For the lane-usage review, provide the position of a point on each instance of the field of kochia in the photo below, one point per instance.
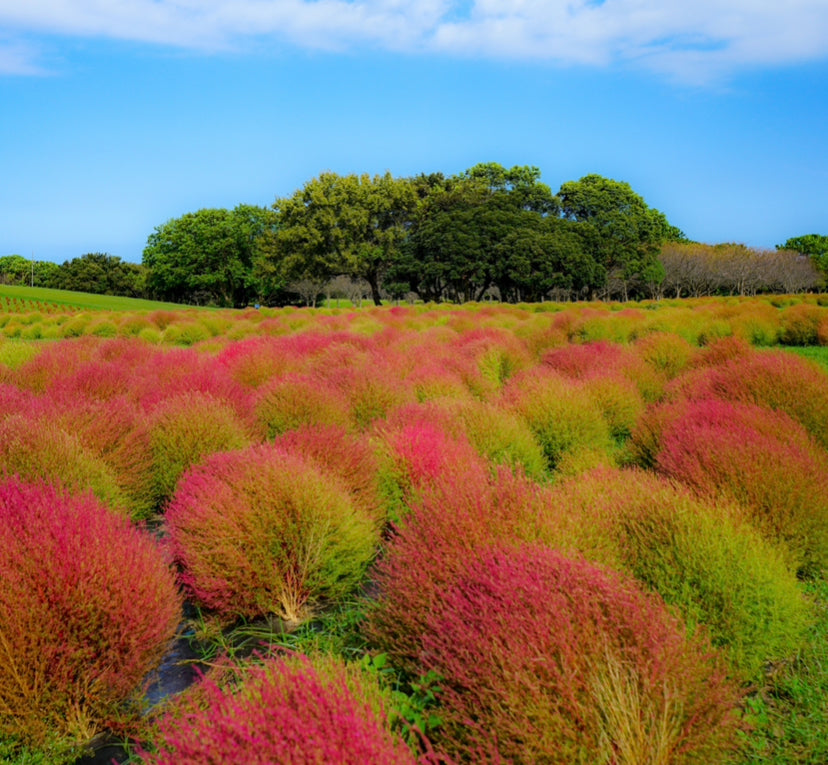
(551, 533)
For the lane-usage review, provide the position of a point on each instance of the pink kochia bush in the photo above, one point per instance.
(263, 531)
(285, 711)
(447, 527)
(763, 460)
(775, 379)
(88, 606)
(548, 659)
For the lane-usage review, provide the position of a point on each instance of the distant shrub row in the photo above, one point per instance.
(766, 320)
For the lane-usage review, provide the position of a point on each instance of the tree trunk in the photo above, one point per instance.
(373, 282)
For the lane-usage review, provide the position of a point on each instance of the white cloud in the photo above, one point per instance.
(17, 58)
(689, 40)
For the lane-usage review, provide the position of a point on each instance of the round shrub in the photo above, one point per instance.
(667, 353)
(344, 457)
(88, 606)
(114, 432)
(773, 378)
(618, 400)
(419, 451)
(716, 569)
(761, 459)
(282, 711)
(294, 401)
(561, 413)
(39, 448)
(262, 531)
(500, 435)
(55, 361)
(449, 525)
(800, 324)
(186, 428)
(547, 659)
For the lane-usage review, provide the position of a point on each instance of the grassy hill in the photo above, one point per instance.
(30, 298)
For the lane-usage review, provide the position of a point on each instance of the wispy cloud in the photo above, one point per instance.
(692, 41)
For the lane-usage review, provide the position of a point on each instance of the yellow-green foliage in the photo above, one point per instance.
(186, 428)
(800, 324)
(185, 333)
(500, 435)
(667, 353)
(560, 412)
(619, 401)
(292, 401)
(703, 559)
(40, 449)
(14, 354)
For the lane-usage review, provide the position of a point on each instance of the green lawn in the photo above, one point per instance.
(84, 300)
(818, 353)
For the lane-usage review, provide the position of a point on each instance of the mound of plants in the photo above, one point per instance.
(542, 658)
(703, 559)
(284, 710)
(775, 379)
(762, 460)
(185, 428)
(562, 414)
(88, 606)
(262, 532)
(345, 457)
(38, 448)
(294, 401)
(452, 520)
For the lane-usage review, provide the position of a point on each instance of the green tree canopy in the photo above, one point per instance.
(101, 274)
(488, 226)
(629, 234)
(349, 225)
(208, 256)
(15, 269)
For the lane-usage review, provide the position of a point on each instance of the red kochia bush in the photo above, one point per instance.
(345, 457)
(547, 659)
(262, 531)
(452, 521)
(87, 607)
(288, 712)
(763, 460)
(776, 379)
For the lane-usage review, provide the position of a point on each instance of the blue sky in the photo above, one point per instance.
(117, 116)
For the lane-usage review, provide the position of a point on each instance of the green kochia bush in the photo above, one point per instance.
(185, 428)
(547, 659)
(759, 458)
(563, 416)
(701, 558)
(38, 448)
(262, 531)
(88, 606)
(284, 711)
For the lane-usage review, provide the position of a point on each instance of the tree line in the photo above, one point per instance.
(96, 272)
(486, 233)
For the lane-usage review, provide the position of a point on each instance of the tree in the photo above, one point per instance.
(208, 256)
(15, 269)
(341, 225)
(629, 233)
(481, 228)
(815, 246)
(101, 274)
